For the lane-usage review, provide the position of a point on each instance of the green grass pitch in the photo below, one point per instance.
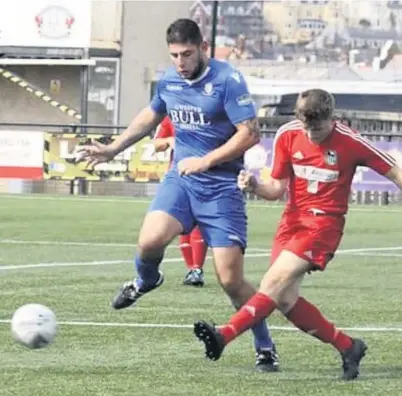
(72, 254)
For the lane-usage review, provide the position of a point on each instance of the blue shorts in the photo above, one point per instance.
(221, 216)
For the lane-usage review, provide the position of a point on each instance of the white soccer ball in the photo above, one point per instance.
(34, 326)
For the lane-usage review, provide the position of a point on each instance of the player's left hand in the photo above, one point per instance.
(191, 165)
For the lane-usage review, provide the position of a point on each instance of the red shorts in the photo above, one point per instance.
(313, 238)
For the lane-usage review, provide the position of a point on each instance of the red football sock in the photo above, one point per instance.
(309, 319)
(186, 250)
(255, 309)
(198, 247)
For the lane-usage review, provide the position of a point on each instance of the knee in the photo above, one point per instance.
(231, 284)
(283, 290)
(287, 300)
(279, 287)
(272, 284)
(151, 244)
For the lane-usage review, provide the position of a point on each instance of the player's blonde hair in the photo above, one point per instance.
(314, 105)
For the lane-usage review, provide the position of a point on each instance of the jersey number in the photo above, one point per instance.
(312, 186)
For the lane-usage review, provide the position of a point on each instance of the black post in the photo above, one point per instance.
(214, 26)
(84, 93)
(81, 184)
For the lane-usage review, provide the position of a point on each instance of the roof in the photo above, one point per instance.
(372, 34)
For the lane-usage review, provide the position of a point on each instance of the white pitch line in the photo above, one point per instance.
(54, 265)
(89, 243)
(251, 204)
(266, 253)
(117, 244)
(376, 254)
(370, 249)
(362, 329)
(95, 263)
(65, 243)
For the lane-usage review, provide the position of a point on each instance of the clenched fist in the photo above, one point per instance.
(246, 181)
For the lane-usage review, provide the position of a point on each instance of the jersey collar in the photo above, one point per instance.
(191, 82)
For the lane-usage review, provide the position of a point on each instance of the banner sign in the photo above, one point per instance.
(46, 23)
(21, 155)
(138, 163)
(258, 160)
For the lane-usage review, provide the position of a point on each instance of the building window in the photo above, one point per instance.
(103, 91)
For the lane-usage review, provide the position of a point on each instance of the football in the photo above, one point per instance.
(34, 326)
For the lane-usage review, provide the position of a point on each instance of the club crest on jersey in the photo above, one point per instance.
(331, 158)
(208, 89)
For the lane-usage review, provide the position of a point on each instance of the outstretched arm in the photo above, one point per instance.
(142, 125)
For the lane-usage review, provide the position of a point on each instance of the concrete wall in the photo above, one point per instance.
(20, 106)
(106, 24)
(144, 49)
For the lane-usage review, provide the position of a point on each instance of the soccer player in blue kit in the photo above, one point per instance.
(215, 122)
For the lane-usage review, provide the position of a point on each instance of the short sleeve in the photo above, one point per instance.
(157, 104)
(238, 103)
(281, 162)
(165, 129)
(370, 156)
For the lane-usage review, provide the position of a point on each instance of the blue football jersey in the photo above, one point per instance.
(204, 112)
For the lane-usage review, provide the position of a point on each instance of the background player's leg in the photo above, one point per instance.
(186, 250)
(198, 248)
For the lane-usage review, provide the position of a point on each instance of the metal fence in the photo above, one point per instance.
(148, 189)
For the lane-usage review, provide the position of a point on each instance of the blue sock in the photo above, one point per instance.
(147, 270)
(262, 338)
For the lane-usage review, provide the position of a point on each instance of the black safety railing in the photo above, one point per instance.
(268, 126)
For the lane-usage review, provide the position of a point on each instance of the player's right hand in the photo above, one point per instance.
(246, 181)
(95, 153)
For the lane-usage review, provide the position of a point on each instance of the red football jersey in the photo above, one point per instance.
(320, 175)
(165, 130)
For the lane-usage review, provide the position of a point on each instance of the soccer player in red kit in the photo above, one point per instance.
(192, 246)
(315, 159)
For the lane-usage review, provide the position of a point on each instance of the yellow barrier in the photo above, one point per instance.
(138, 163)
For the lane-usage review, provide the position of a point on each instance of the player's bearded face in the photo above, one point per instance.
(189, 59)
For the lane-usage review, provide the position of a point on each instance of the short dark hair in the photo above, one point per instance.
(183, 31)
(314, 105)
